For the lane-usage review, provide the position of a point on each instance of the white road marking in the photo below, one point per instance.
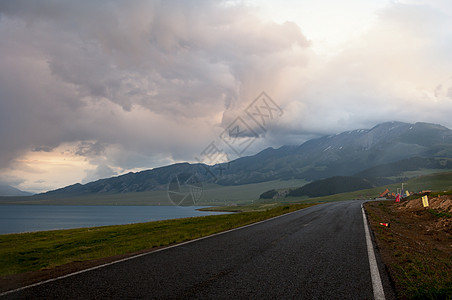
(374, 273)
(138, 255)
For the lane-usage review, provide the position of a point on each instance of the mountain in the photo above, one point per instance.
(6, 190)
(149, 180)
(385, 148)
(343, 154)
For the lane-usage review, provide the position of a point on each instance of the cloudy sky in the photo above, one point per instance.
(93, 89)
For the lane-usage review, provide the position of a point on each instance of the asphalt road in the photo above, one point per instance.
(316, 253)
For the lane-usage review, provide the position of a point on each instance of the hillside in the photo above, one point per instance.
(387, 149)
(6, 190)
(333, 185)
(344, 154)
(150, 180)
(435, 182)
(400, 167)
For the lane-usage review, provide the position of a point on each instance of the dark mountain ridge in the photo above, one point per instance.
(346, 153)
(343, 154)
(149, 180)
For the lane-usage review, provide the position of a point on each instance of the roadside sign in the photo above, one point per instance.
(425, 201)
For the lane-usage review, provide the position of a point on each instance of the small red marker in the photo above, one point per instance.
(384, 224)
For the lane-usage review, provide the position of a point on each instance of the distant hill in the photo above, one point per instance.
(6, 190)
(386, 150)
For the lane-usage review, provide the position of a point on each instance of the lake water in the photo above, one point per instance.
(25, 218)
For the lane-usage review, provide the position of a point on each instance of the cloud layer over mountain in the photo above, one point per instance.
(93, 89)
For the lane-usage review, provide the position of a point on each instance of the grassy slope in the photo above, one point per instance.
(47, 249)
(420, 172)
(438, 182)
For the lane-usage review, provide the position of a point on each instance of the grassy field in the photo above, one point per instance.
(256, 206)
(216, 195)
(244, 194)
(213, 194)
(47, 249)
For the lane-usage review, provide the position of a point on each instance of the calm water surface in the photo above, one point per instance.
(25, 218)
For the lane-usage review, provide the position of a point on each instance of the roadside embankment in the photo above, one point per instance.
(416, 246)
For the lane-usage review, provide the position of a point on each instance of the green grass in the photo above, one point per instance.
(47, 249)
(424, 277)
(439, 214)
(437, 182)
(257, 206)
(420, 172)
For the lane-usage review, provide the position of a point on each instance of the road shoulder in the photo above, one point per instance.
(414, 248)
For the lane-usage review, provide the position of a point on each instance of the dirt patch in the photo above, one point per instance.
(439, 206)
(417, 245)
(443, 203)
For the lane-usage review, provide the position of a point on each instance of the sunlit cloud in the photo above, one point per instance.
(47, 169)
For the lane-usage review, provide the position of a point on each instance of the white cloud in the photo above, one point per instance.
(390, 72)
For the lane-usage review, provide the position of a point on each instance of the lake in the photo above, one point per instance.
(26, 218)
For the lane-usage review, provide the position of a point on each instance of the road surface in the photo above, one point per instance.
(315, 253)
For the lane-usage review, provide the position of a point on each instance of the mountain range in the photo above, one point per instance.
(386, 150)
(7, 190)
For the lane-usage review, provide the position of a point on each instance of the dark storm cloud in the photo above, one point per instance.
(71, 65)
